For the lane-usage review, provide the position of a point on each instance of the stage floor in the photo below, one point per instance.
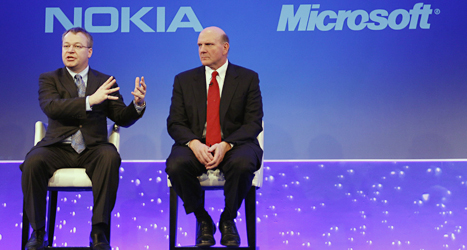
(302, 205)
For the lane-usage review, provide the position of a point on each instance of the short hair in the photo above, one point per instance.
(225, 38)
(76, 30)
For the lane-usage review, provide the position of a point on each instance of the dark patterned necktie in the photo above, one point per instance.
(77, 140)
(213, 126)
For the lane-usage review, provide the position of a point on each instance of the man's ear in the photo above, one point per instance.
(226, 48)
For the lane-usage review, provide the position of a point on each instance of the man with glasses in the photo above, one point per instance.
(77, 101)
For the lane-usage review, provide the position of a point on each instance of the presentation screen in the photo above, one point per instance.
(339, 79)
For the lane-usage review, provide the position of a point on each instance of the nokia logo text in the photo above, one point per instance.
(185, 18)
(309, 18)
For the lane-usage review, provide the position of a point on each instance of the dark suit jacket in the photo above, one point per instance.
(241, 107)
(66, 112)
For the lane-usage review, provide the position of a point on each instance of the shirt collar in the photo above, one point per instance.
(83, 73)
(221, 70)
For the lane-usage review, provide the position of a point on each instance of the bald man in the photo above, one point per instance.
(192, 124)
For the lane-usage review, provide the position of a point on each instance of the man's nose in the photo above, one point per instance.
(71, 49)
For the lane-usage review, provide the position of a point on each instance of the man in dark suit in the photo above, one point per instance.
(77, 101)
(199, 143)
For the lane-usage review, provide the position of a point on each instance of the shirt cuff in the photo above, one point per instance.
(88, 107)
(139, 109)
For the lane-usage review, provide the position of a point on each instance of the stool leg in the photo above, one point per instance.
(173, 219)
(25, 231)
(250, 214)
(52, 213)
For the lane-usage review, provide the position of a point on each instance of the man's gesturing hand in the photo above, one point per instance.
(103, 92)
(140, 91)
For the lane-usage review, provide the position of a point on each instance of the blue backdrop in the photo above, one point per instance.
(340, 79)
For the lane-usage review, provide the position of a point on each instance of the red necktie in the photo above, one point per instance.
(213, 126)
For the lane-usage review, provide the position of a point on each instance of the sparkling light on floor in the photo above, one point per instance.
(302, 205)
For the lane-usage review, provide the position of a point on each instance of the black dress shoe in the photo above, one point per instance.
(36, 242)
(230, 237)
(98, 241)
(205, 231)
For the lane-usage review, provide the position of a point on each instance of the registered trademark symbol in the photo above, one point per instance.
(437, 11)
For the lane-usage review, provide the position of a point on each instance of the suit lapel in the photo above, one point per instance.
(93, 83)
(68, 83)
(230, 86)
(201, 96)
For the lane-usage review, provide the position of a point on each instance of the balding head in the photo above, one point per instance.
(213, 45)
(218, 32)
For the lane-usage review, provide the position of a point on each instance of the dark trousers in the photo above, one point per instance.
(102, 163)
(238, 166)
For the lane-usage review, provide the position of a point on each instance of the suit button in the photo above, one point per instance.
(80, 126)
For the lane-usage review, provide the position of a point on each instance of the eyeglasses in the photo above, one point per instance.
(75, 46)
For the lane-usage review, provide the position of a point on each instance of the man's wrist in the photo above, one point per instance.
(142, 105)
(139, 108)
(229, 145)
(189, 142)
